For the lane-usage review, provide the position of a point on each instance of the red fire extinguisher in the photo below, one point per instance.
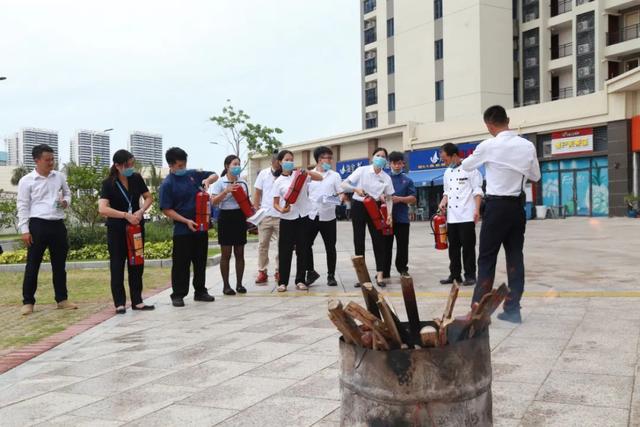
(378, 215)
(439, 228)
(299, 178)
(243, 201)
(203, 210)
(135, 244)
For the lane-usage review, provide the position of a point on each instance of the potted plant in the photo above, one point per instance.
(633, 203)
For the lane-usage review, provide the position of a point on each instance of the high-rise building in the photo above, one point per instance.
(4, 158)
(146, 148)
(20, 144)
(87, 146)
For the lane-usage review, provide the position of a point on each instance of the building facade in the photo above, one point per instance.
(89, 146)
(20, 144)
(146, 148)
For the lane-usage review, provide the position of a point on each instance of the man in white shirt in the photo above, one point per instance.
(461, 202)
(269, 227)
(509, 160)
(324, 196)
(43, 195)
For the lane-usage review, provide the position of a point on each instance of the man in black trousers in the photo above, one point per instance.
(43, 195)
(509, 160)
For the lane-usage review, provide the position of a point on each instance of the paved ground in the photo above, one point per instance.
(265, 359)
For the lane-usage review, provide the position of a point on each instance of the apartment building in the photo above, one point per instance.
(89, 146)
(20, 144)
(566, 70)
(146, 148)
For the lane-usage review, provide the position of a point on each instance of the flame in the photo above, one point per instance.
(596, 223)
(551, 294)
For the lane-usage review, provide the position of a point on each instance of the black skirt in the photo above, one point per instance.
(232, 227)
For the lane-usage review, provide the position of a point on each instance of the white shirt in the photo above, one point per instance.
(264, 182)
(318, 190)
(229, 202)
(508, 159)
(301, 207)
(39, 197)
(374, 184)
(461, 187)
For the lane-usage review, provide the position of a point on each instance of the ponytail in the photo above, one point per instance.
(227, 161)
(120, 157)
(113, 173)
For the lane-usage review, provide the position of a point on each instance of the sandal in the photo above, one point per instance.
(282, 288)
(302, 287)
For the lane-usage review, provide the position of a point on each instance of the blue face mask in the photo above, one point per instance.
(398, 172)
(128, 172)
(287, 166)
(326, 166)
(379, 162)
(235, 170)
(180, 172)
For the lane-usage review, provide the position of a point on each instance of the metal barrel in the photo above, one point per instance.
(446, 386)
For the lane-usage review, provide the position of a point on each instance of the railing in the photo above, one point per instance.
(370, 66)
(562, 50)
(565, 92)
(626, 33)
(370, 35)
(560, 7)
(371, 97)
(369, 6)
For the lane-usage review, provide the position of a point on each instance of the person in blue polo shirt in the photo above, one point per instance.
(404, 195)
(178, 202)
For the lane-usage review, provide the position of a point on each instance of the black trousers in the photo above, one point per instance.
(503, 224)
(462, 238)
(401, 234)
(46, 234)
(189, 249)
(327, 230)
(359, 220)
(117, 245)
(293, 235)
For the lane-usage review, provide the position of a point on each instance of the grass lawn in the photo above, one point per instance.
(88, 288)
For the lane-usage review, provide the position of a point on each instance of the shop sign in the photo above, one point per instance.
(572, 142)
(347, 167)
(430, 158)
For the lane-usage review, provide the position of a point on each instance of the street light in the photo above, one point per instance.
(107, 130)
(214, 142)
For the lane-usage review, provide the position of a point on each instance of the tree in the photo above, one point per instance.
(155, 179)
(18, 173)
(8, 211)
(85, 183)
(245, 137)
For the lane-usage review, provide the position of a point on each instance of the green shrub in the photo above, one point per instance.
(80, 236)
(158, 231)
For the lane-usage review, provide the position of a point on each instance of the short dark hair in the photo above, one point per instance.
(37, 151)
(396, 156)
(321, 151)
(496, 115)
(450, 148)
(175, 154)
(377, 149)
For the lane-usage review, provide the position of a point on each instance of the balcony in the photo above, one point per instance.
(368, 6)
(370, 35)
(562, 50)
(559, 7)
(562, 93)
(371, 97)
(627, 33)
(370, 66)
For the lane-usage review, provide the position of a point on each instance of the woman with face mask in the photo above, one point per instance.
(232, 224)
(120, 203)
(294, 222)
(370, 180)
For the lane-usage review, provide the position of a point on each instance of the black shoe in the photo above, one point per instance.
(228, 291)
(469, 282)
(449, 280)
(312, 276)
(357, 285)
(241, 289)
(404, 273)
(510, 316)
(381, 283)
(177, 302)
(331, 281)
(144, 307)
(121, 310)
(205, 297)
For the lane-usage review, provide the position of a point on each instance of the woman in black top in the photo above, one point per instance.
(120, 203)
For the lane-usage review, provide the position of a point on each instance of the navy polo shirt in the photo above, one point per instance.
(403, 187)
(179, 193)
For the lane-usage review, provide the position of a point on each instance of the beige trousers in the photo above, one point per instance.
(268, 231)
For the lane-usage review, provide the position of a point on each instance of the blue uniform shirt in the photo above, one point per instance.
(179, 193)
(403, 187)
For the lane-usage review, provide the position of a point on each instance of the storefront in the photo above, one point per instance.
(574, 175)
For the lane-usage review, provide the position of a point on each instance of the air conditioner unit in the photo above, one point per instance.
(531, 41)
(531, 62)
(584, 48)
(529, 83)
(371, 115)
(371, 85)
(370, 54)
(583, 26)
(529, 17)
(584, 72)
(584, 92)
(546, 149)
(369, 24)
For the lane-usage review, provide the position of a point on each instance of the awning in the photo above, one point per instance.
(432, 177)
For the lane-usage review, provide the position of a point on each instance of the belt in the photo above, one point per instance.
(492, 197)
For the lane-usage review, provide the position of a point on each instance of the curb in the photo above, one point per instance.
(20, 355)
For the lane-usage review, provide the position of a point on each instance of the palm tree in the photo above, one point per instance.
(18, 173)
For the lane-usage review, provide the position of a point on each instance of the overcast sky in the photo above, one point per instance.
(167, 66)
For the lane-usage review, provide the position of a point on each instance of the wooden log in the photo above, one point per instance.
(443, 338)
(482, 316)
(377, 327)
(411, 305)
(390, 323)
(451, 301)
(361, 269)
(344, 323)
(429, 336)
(371, 297)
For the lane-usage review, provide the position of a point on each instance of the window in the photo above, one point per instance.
(370, 62)
(437, 9)
(391, 64)
(371, 120)
(371, 93)
(440, 90)
(390, 27)
(369, 6)
(370, 35)
(438, 49)
(392, 102)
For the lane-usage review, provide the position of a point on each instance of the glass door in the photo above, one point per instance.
(583, 192)
(567, 191)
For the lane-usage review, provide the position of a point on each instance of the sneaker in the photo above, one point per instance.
(66, 305)
(331, 280)
(26, 309)
(177, 302)
(204, 297)
(312, 276)
(510, 316)
(262, 278)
